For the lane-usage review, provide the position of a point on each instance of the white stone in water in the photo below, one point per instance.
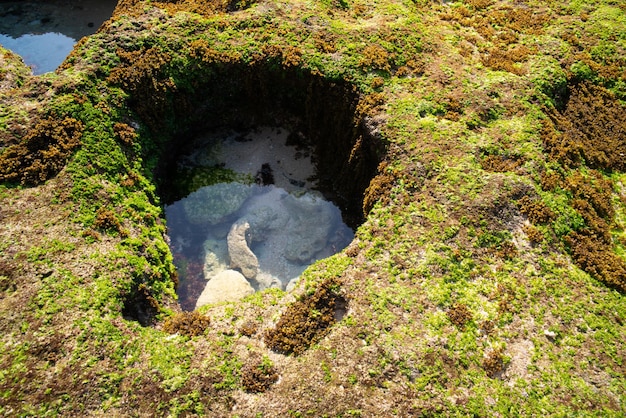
(241, 257)
(227, 286)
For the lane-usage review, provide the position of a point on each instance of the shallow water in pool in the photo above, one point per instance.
(43, 33)
(232, 238)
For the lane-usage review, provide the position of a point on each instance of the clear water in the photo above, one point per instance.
(288, 225)
(44, 32)
(43, 53)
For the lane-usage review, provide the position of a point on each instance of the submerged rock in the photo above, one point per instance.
(266, 214)
(310, 227)
(227, 286)
(212, 204)
(265, 176)
(241, 256)
(266, 280)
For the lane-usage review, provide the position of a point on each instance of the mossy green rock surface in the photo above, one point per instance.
(476, 146)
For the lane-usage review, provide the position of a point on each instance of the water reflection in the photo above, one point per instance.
(43, 53)
(261, 229)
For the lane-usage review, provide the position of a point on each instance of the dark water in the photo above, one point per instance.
(44, 32)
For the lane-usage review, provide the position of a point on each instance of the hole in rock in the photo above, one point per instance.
(45, 32)
(262, 170)
(250, 215)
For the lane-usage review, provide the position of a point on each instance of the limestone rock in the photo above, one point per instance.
(241, 257)
(311, 225)
(227, 286)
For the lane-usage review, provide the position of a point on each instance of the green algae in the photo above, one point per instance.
(440, 235)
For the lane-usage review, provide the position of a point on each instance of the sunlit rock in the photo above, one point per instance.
(292, 284)
(227, 286)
